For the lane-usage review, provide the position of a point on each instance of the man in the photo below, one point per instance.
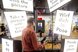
(29, 40)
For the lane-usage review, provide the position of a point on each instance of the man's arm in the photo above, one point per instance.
(35, 44)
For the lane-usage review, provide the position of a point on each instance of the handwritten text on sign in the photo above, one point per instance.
(26, 5)
(54, 4)
(63, 22)
(17, 21)
(7, 45)
(70, 45)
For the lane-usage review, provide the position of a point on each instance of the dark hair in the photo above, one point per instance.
(30, 20)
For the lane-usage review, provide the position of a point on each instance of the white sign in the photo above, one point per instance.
(54, 4)
(17, 21)
(70, 45)
(7, 45)
(26, 5)
(63, 22)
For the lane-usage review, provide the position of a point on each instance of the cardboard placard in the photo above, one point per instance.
(17, 21)
(26, 5)
(7, 45)
(70, 45)
(54, 4)
(63, 22)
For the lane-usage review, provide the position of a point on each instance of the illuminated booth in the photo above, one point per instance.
(16, 23)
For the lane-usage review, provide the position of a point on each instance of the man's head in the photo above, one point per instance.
(30, 21)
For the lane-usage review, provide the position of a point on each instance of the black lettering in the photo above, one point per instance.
(61, 30)
(64, 15)
(24, 2)
(15, 1)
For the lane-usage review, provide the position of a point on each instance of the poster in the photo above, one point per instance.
(7, 45)
(70, 45)
(54, 4)
(17, 21)
(26, 5)
(63, 22)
